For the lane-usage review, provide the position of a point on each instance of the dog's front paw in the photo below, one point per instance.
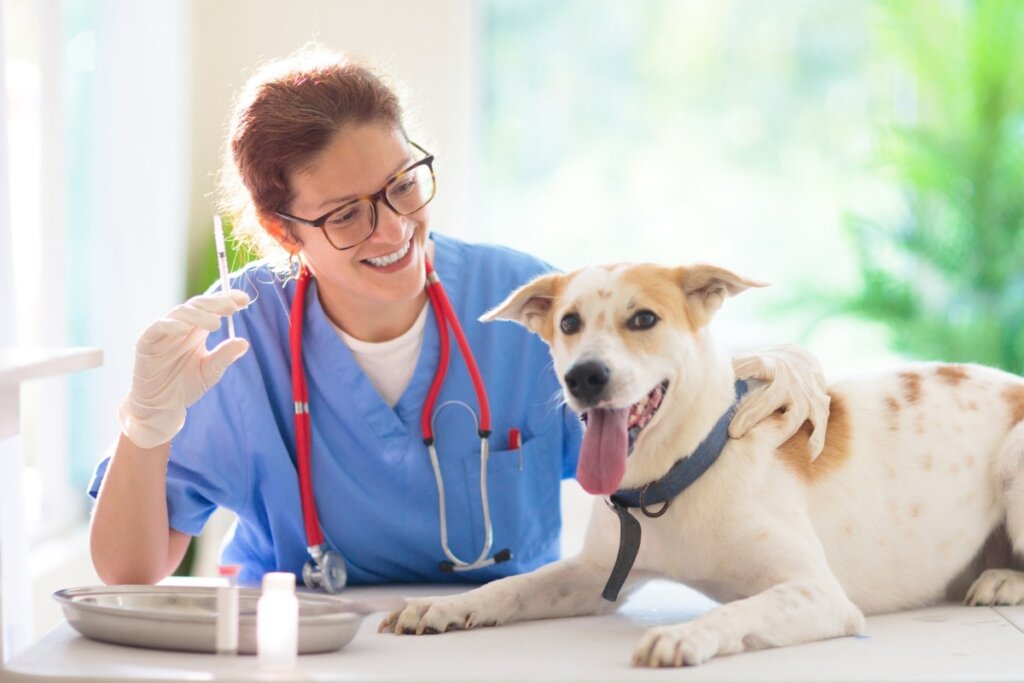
(997, 587)
(680, 645)
(432, 615)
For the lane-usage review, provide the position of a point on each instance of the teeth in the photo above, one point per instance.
(382, 261)
(641, 412)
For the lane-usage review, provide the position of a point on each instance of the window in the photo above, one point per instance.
(735, 131)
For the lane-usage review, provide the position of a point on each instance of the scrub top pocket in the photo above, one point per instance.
(525, 511)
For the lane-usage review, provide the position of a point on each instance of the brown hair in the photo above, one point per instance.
(285, 115)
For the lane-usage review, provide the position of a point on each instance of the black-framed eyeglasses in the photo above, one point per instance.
(353, 222)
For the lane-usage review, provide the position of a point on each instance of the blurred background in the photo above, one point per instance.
(866, 158)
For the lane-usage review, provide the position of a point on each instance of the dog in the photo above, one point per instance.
(916, 498)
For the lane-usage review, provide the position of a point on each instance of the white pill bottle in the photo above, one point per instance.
(277, 623)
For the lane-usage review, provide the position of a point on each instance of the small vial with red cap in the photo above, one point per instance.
(227, 611)
(515, 444)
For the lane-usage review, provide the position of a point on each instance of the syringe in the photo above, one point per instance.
(222, 265)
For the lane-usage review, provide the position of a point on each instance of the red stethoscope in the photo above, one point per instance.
(326, 568)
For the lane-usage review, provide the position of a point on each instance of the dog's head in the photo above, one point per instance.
(625, 339)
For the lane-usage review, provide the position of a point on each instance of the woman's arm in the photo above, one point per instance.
(130, 538)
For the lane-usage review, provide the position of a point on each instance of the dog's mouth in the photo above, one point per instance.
(642, 412)
(608, 440)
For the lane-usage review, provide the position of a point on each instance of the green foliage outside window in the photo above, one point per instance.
(946, 273)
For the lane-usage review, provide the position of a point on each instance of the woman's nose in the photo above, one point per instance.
(390, 226)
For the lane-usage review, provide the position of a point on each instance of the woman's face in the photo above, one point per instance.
(360, 160)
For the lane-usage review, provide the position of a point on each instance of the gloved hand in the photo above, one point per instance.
(794, 381)
(173, 368)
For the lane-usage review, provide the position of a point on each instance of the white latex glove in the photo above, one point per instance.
(794, 381)
(173, 368)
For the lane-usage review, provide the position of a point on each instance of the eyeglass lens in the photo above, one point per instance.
(405, 194)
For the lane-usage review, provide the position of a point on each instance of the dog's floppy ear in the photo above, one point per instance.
(530, 305)
(706, 287)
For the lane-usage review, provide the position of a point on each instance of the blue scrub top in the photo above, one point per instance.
(374, 485)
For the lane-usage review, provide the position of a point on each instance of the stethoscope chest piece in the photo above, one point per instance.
(326, 570)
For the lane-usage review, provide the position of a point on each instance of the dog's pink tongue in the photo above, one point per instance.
(603, 454)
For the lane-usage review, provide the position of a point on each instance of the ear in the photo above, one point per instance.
(530, 305)
(281, 232)
(706, 287)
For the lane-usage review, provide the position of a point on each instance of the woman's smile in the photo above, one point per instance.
(393, 261)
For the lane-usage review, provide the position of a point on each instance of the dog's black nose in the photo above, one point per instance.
(586, 381)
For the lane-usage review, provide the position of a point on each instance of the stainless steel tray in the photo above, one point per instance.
(185, 618)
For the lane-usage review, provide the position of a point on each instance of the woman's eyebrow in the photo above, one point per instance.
(341, 200)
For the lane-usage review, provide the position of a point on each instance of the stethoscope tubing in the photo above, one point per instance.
(444, 314)
(455, 562)
(303, 428)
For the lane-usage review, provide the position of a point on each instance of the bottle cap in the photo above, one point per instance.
(279, 582)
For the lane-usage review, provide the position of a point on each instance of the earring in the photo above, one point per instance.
(294, 265)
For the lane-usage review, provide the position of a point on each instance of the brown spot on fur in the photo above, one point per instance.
(954, 469)
(848, 530)
(952, 374)
(970, 461)
(911, 386)
(1014, 397)
(890, 471)
(604, 294)
(600, 319)
(971, 405)
(795, 452)
(915, 510)
(653, 289)
(926, 463)
(892, 407)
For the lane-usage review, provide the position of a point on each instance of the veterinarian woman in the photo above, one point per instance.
(323, 180)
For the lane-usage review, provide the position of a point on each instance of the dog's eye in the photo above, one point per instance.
(571, 323)
(642, 320)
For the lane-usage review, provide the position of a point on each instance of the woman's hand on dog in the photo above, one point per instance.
(794, 387)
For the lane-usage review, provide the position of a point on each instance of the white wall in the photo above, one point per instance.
(7, 334)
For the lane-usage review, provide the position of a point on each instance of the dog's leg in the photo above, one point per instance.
(567, 588)
(1003, 586)
(786, 614)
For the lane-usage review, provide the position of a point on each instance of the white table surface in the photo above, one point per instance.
(946, 643)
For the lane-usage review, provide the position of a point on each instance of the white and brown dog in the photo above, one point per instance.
(917, 497)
